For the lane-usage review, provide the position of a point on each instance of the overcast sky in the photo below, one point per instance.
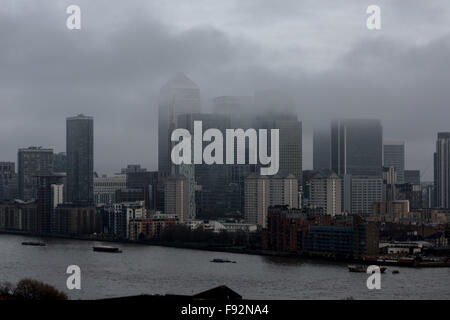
(320, 52)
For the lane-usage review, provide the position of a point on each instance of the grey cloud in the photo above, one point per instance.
(113, 68)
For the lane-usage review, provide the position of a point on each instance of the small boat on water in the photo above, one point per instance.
(222, 261)
(106, 249)
(32, 243)
(362, 268)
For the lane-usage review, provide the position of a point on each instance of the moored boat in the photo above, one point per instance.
(33, 243)
(106, 249)
(222, 261)
(362, 268)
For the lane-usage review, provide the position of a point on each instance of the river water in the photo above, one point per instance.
(142, 269)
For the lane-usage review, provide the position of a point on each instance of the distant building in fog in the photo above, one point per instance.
(180, 95)
(357, 147)
(60, 162)
(8, 181)
(394, 156)
(322, 149)
(33, 162)
(105, 188)
(442, 171)
(412, 177)
(133, 168)
(80, 159)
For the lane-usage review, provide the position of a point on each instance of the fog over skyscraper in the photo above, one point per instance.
(321, 149)
(442, 170)
(80, 159)
(180, 95)
(357, 147)
(394, 156)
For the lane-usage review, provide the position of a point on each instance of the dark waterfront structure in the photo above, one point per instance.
(33, 162)
(442, 171)
(49, 196)
(76, 220)
(357, 147)
(308, 231)
(80, 159)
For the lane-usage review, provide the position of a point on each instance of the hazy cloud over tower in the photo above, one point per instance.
(319, 51)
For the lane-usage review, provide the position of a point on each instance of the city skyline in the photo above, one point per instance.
(121, 90)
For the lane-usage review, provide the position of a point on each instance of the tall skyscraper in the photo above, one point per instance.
(178, 96)
(394, 156)
(33, 162)
(442, 171)
(8, 181)
(322, 149)
(80, 159)
(357, 147)
(213, 179)
(290, 143)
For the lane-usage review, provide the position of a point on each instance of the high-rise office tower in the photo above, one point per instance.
(412, 177)
(178, 96)
(212, 179)
(394, 156)
(290, 143)
(8, 181)
(80, 159)
(321, 149)
(275, 110)
(357, 147)
(442, 171)
(33, 162)
(240, 111)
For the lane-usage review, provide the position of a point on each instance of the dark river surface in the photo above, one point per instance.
(144, 269)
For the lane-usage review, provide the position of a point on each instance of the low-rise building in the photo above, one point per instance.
(151, 226)
(105, 188)
(75, 220)
(300, 230)
(19, 216)
(117, 217)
